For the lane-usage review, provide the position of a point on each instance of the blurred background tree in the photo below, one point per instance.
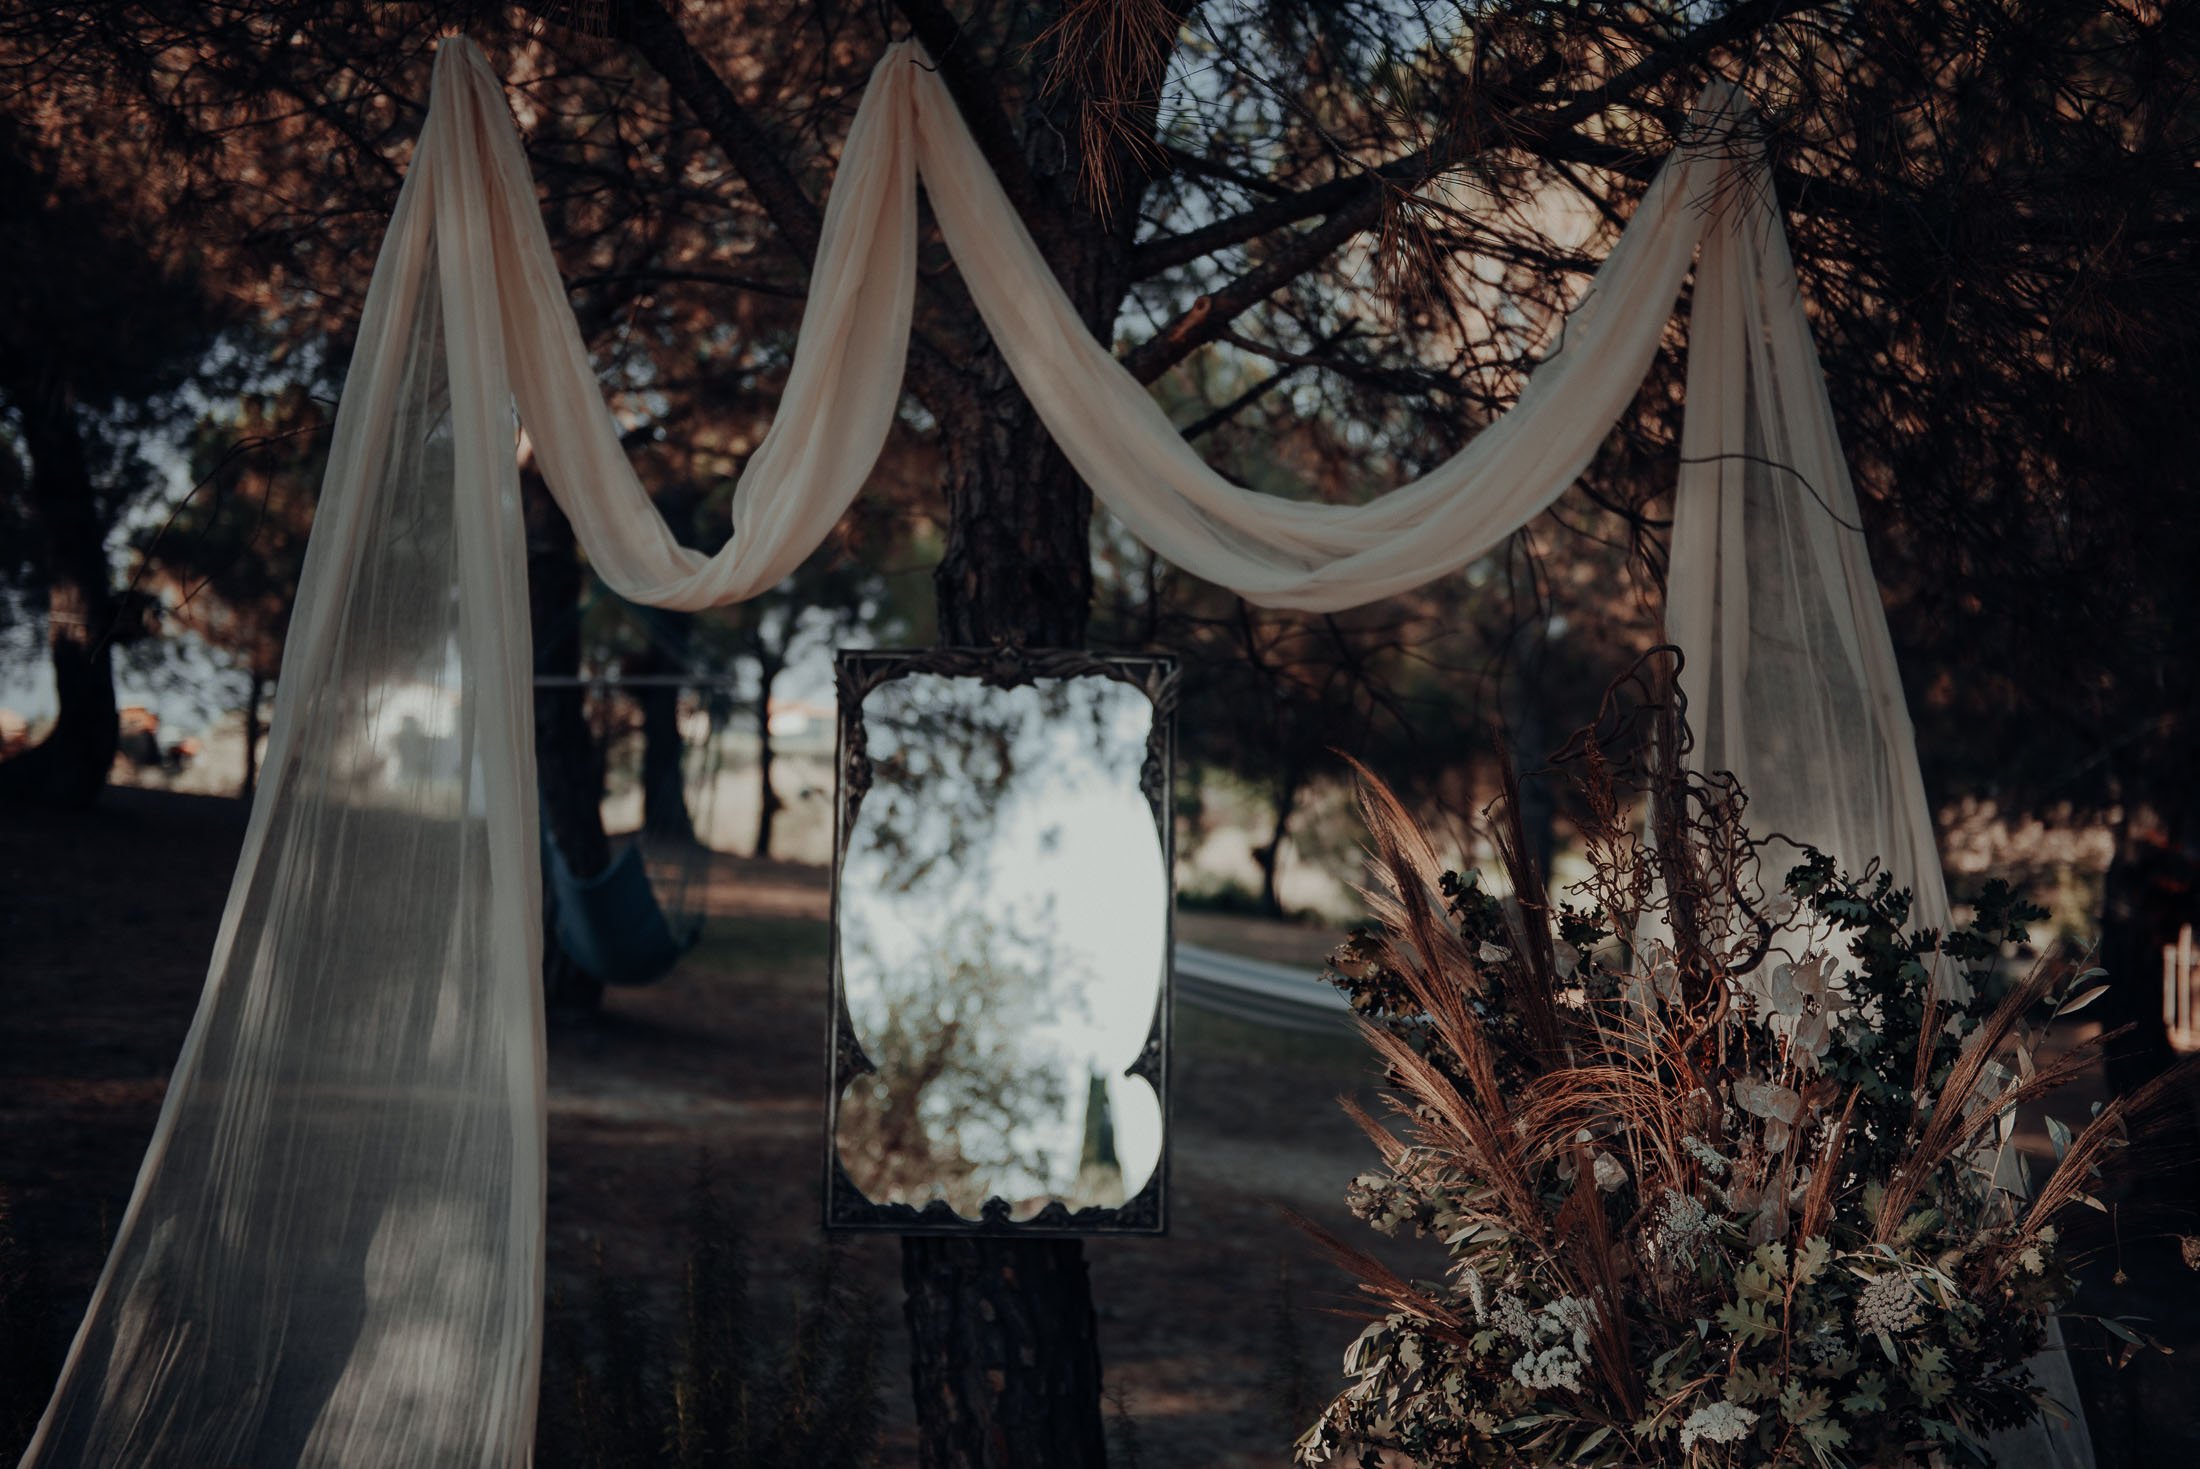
(225, 565)
(102, 331)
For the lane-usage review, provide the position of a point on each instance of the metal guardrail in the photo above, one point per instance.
(1279, 995)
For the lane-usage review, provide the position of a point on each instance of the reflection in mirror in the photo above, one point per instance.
(1003, 904)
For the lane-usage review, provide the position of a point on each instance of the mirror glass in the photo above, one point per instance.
(1003, 924)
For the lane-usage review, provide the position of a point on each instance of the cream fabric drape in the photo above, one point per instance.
(333, 1255)
(1789, 672)
(841, 395)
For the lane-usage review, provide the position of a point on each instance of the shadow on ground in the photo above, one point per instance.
(107, 922)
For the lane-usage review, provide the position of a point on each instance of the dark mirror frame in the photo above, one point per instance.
(856, 673)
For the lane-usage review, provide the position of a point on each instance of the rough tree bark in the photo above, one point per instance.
(1018, 560)
(69, 766)
(1004, 1351)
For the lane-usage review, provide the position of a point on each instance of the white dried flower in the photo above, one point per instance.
(1610, 1173)
(1720, 1422)
(1713, 1162)
(1549, 1369)
(1509, 1314)
(1491, 953)
(1571, 1317)
(1477, 1295)
(1678, 1229)
(1889, 1304)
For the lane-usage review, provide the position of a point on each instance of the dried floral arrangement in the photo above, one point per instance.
(1725, 1175)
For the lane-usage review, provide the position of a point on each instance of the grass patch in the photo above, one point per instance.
(740, 944)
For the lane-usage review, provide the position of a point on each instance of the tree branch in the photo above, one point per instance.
(1155, 256)
(684, 277)
(1350, 206)
(651, 30)
(976, 98)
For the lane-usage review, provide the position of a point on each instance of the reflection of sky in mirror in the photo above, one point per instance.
(1003, 911)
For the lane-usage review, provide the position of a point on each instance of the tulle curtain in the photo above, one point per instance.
(1789, 672)
(334, 1252)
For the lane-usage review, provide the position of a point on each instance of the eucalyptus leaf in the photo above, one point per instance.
(2078, 1002)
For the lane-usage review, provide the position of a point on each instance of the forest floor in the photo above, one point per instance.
(106, 924)
(107, 921)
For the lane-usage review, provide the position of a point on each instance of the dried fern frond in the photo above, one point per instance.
(1108, 58)
(2109, 1130)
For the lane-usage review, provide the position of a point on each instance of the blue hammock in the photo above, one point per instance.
(611, 924)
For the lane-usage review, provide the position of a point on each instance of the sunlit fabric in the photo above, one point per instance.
(333, 1256)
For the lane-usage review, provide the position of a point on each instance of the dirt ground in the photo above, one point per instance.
(106, 923)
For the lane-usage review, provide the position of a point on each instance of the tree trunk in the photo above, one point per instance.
(1005, 1353)
(1002, 1341)
(2149, 892)
(1530, 738)
(69, 767)
(767, 799)
(1018, 560)
(665, 816)
(568, 765)
(1270, 856)
(255, 694)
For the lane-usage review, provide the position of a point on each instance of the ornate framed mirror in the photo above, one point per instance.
(1002, 905)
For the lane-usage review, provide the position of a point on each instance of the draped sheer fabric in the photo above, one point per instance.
(333, 1255)
(1789, 672)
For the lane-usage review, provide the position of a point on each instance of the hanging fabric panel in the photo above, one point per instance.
(333, 1256)
(1790, 674)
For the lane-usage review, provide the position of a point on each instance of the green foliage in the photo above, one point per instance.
(749, 1387)
(1888, 983)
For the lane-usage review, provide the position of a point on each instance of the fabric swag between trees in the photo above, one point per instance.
(334, 1253)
